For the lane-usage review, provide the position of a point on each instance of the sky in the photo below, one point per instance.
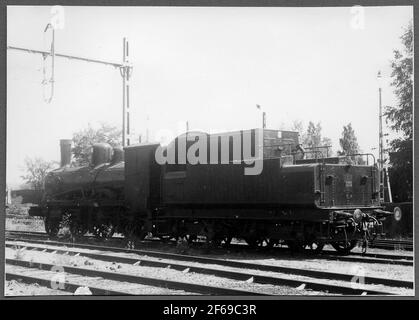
(207, 66)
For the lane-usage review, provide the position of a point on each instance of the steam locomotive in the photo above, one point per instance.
(202, 185)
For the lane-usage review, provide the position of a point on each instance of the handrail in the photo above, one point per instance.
(362, 154)
(316, 152)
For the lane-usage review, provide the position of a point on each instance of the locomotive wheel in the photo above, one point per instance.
(130, 234)
(191, 238)
(103, 231)
(133, 230)
(258, 242)
(316, 247)
(77, 230)
(141, 234)
(165, 238)
(270, 243)
(344, 247)
(252, 242)
(52, 226)
(227, 241)
(221, 241)
(216, 242)
(295, 245)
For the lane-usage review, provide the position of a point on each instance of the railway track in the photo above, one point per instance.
(134, 279)
(282, 277)
(379, 258)
(392, 244)
(326, 254)
(69, 286)
(40, 235)
(330, 254)
(35, 234)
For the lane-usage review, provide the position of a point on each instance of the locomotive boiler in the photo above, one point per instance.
(88, 198)
(201, 190)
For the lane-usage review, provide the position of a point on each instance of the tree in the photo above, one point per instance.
(313, 141)
(348, 142)
(312, 138)
(36, 171)
(401, 116)
(401, 170)
(401, 119)
(327, 142)
(298, 126)
(83, 141)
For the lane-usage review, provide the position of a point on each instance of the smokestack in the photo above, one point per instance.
(65, 147)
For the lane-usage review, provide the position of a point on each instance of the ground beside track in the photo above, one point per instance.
(245, 255)
(199, 278)
(157, 273)
(17, 288)
(289, 260)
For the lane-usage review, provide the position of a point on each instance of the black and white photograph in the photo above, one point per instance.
(189, 151)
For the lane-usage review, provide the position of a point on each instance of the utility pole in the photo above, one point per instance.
(49, 81)
(380, 139)
(263, 116)
(146, 132)
(264, 120)
(384, 178)
(125, 73)
(125, 69)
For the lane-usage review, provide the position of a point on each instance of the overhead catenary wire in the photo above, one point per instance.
(116, 65)
(49, 81)
(125, 70)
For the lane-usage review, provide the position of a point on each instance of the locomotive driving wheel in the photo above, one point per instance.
(342, 242)
(133, 232)
(77, 229)
(103, 231)
(166, 238)
(270, 243)
(221, 241)
(227, 241)
(252, 242)
(344, 247)
(190, 238)
(316, 246)
(260, 242)
(295, 245)
(52, 226)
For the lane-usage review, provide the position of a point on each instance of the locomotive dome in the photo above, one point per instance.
(102, 153)
(118, 155)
